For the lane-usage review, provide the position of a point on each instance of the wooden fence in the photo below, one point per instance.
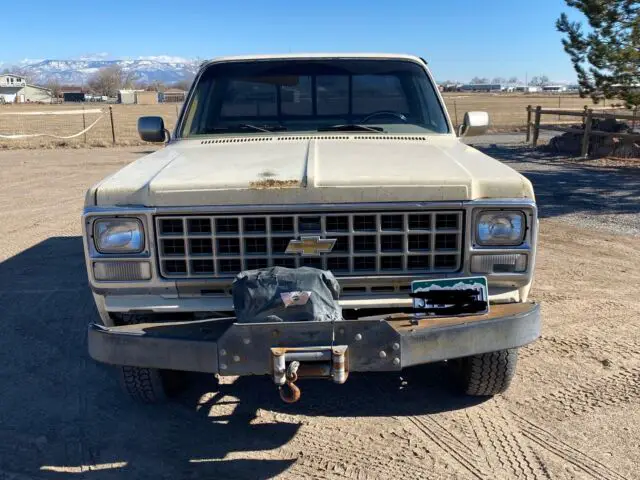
(587, 115)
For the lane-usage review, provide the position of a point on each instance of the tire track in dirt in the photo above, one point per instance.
(566, 452)
(450, 444)
(616, 389)
(505, 446)
(339, 453)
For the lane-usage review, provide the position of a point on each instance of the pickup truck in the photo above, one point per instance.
(339, 162)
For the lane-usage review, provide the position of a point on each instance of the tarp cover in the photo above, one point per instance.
(281, 294)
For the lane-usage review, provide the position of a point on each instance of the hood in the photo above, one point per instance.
(254, 170)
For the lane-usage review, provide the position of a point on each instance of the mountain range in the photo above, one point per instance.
(164, 69)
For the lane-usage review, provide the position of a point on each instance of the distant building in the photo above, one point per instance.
(147, 98)
(15, 89)
(554, 88)
(527, 88)
(127, 97)
(482, 87)
(173, 95)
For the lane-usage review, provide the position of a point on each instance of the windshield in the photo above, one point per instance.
(392, 96)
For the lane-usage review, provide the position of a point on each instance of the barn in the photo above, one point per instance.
(15, 89)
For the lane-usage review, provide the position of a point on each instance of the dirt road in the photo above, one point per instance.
(573, 411)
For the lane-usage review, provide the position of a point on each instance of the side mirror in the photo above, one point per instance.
(151, 129)
(474, 123)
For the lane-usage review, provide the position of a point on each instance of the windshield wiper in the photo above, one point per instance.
(240, 127)
(350, 127)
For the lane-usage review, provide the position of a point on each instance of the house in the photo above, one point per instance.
(15, 89)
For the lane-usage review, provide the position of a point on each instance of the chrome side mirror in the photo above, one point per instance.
(474, 123)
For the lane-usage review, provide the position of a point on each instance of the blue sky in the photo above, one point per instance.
(460, 38)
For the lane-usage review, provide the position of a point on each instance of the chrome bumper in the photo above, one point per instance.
(384, 343)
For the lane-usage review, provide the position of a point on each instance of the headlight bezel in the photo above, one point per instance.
(117, 251)
(500, 243)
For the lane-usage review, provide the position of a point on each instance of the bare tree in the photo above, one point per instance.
(513, 80)
(54, 85)
(480, 80)
(499, 80)
(107, 81)
(539, 81)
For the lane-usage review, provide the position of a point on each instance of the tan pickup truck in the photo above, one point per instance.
(345, 163)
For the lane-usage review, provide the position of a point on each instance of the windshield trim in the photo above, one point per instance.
(179, 127)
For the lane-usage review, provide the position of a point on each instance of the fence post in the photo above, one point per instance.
(528, 124)
(536, 126)
(84, 124)
(455, 111)
(559, 97)
(113, 130)
(587, 132)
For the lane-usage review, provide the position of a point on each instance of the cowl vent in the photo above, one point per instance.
(237, 140)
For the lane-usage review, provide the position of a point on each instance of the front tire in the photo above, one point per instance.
(488, 374)
(147, 385)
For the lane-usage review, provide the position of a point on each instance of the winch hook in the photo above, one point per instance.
(290, 393)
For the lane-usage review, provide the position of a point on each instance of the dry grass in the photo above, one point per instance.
(506, 111)
(125, 118)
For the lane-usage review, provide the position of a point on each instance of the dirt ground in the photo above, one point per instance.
(572, 412)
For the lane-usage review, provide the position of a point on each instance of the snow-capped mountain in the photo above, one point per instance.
(162, 68)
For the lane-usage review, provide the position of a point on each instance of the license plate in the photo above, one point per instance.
(451, 296)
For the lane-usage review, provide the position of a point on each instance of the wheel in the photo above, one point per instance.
(148, 385)
(487, 374)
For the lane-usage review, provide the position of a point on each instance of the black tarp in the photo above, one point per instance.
(281, 294)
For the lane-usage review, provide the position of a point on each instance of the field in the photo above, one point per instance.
(506, 111)
(572, 413)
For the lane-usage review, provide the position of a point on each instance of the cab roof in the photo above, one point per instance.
(306, 56)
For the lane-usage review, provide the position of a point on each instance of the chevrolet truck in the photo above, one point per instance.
(348, 164)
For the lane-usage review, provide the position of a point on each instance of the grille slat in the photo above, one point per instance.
(387, 243)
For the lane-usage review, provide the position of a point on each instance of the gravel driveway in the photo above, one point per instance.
(592, 197)
(572, 412)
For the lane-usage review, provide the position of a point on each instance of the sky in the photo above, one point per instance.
(459, 39)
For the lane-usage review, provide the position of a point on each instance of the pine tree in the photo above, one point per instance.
(606, 58)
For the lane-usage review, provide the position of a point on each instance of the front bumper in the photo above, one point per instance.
(383, 343)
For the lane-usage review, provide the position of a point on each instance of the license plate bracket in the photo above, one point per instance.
(450, 296)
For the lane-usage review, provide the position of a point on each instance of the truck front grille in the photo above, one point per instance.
(387, 243)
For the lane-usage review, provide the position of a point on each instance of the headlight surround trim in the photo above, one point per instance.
(500, 214)
(137, 238)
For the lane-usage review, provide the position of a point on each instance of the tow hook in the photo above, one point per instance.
(289, 364)
(290, 393)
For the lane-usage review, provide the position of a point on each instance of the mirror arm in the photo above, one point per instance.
(167, 134)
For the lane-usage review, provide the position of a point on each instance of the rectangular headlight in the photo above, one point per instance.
(499, 227)
(118, 235)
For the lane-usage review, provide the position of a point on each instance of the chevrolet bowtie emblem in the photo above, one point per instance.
(310, 246)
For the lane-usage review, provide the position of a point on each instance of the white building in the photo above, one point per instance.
(527, 89)
(554, 88)
(15, 89)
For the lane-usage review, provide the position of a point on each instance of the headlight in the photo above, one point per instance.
(500, 228)
(118, 235)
